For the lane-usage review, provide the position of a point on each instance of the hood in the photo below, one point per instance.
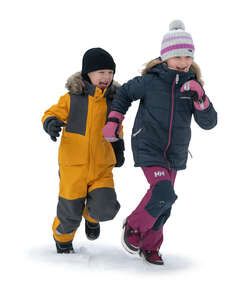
(77, 85)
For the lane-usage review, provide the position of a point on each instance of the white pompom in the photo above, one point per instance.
(176, 24)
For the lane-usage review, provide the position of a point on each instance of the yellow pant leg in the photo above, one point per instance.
(62, 238)
(101, 178)
(73, 181)
(72, 196)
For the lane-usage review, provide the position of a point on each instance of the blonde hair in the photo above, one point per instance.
(194, 67)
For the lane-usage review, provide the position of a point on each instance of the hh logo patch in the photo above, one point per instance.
(159, 173)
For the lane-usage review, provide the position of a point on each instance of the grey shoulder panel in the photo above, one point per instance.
(77, 119)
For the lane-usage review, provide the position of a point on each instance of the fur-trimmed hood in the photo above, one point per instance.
(77, 85)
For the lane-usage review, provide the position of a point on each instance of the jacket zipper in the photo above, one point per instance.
(171, 120)
(90, 151)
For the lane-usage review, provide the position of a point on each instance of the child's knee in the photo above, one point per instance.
(102, 204)
(163, 197)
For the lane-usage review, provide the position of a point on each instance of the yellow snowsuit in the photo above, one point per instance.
(86, 159)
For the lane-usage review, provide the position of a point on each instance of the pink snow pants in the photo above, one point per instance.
(155, 207)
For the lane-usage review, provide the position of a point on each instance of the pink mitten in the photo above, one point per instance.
(193, 89)
(113, 127)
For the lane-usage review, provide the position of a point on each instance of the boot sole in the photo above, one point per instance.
(125, 246)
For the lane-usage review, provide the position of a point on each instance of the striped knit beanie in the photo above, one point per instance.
(177, 42)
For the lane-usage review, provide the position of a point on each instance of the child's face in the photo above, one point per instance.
(101, 78)
(180, 63)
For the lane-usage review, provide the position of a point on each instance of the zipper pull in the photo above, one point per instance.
(177, 78)
(190, 153)
(202, 105)
(201, 101)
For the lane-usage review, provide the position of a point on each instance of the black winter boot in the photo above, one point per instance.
(64, 247)
(92, 230)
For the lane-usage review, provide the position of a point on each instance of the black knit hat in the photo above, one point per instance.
(97, 59)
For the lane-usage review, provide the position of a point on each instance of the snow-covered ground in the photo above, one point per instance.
(42, 43)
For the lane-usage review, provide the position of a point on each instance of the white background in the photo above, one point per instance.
(42, 43)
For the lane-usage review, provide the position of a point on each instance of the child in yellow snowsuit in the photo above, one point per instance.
(86, 159)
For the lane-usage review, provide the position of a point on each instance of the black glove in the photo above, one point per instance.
(191, 94)
(119, 148)
(53, 127)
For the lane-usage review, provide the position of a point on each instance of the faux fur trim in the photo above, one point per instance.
(75, 83)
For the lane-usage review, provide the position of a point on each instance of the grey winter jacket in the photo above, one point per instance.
(161, 132)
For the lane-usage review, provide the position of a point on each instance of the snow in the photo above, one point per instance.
(42, 43)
